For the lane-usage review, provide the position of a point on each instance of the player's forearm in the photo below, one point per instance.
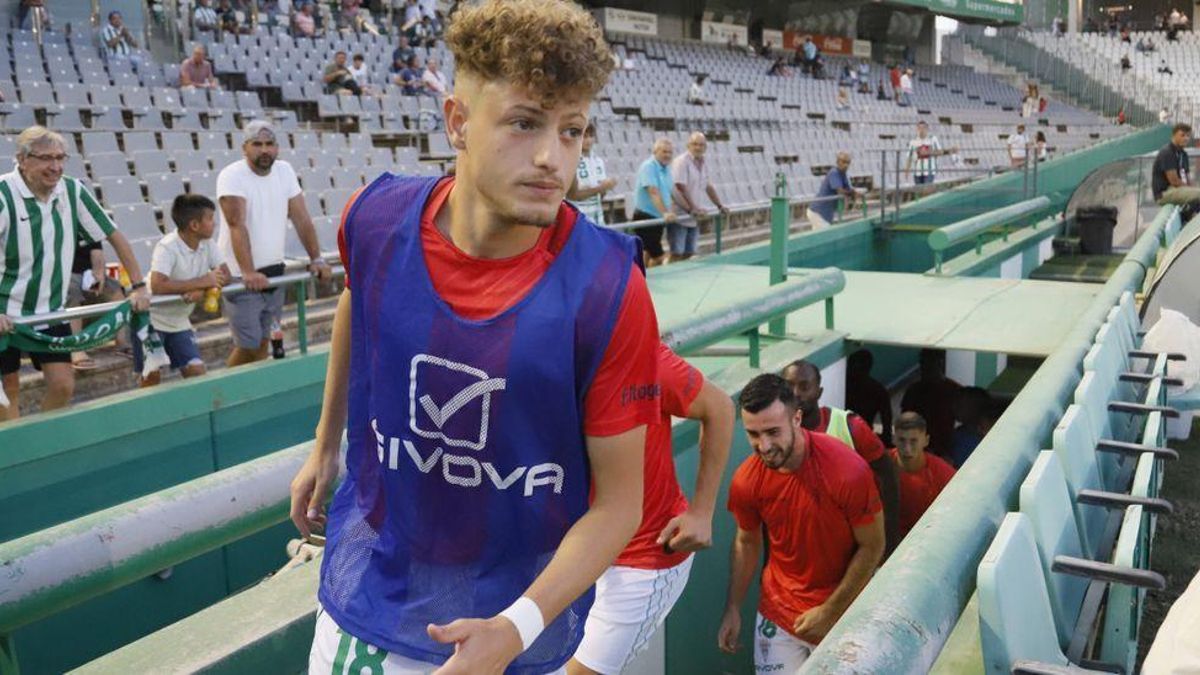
(858, 573)
(333, 405)
(743, 563)
(716, 434)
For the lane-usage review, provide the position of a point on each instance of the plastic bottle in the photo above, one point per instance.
(277, 340)
(124, 277)
(212, 300)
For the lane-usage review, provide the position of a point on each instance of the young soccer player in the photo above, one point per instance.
(923, 475)
(492, 361)
(185, 262)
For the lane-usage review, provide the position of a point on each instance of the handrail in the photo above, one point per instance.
(975, 226)
(53, 569)
(917, 596)
(740, 208)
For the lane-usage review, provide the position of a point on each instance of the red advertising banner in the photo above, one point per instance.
(826, 43)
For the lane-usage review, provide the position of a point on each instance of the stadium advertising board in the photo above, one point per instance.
(711, 31)
(630, 21)
(828, 44)
(995, 10)
(772, 37)
(862, 49)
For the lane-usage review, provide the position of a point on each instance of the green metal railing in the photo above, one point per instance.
(978, 226)
(902, 619)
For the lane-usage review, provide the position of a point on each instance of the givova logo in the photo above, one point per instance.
(450, 401)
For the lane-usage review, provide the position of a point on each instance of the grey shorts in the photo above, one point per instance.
(251, 314)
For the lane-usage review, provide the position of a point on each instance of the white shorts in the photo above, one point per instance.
(338, 653)
(630, 605)
(776, 650)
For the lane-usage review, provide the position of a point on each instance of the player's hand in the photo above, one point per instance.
(6, 324)
(255, 281)
(481, 646)
(687, 532)
(309, 488)
(814, 624)
(140, 299)
(731, 627)
(321, 270)
(193, 296)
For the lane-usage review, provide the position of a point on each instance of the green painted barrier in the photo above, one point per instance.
(904, 616)
(976, 226)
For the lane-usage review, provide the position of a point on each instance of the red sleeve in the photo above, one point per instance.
(681, 383)
(860, 498)
(630, 364)
(741, 502)
(866, 442)
(343, 251)
(942, 474)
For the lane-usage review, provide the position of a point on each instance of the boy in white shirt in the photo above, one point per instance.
(185, 262)
(591, 180)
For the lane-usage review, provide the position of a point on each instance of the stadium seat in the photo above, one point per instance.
(116, 191)
(203, 183)
(139, 141)
(177, 142)
(164, 188)
(136, 221)
(146, 164)
(108, 165)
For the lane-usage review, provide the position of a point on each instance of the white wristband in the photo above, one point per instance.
(527, 617)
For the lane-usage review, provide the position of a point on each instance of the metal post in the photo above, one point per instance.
(1025, 175)
(882, 186)
(937, 262)
(829, 313)
(302, 315)
(780, 219)
(754, 347)
(718, 224)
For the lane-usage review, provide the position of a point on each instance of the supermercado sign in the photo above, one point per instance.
(629, 21)
(827, 44)
(996, 10)
(711, 31)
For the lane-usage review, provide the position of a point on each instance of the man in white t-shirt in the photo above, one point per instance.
(258, 195)
(435, 80)
(186, 262)
(906, 87)
(1018, 145)
(923, 151)
(689, 173)
(591, 180)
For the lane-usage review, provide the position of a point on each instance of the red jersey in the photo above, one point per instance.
(480, 288)
(866, 442)
(810, 516)
(663, 499)
(918, 489)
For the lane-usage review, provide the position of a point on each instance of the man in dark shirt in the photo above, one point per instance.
(932, 397)
(1171, 177)
(403, 52)
(866, 396)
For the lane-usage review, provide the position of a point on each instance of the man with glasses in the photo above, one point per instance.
(43, 215)
(257, 196)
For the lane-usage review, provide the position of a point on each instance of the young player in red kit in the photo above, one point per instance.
(923, 475)
(818, 503)
(635, 595)
(494, 466)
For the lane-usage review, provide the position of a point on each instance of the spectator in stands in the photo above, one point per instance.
(435, 80)
(1164, 116)
(348, 14)
(1030, 102)
(924, 151)
(778, 69)
(303, 23)
(805, 379)
(197, 72)
(842, 100)
(894, 76)
(864, 77)
(1149, 46)
(866, 396)
(231, 19)
(836, 183)
(591, 179)
(1059, 27)
(932, 397)
(652, 200)
(810, 51)
(922, 476)
(362, 74)
(205, 19)
(422, 34)
(689, 172)
(119, 43)
(1039, 144)
(337, 77)
(975, 411)
(696, 92)
(1126, 64)
(1171, 178)
(258, 195)
(906, 88)
(881, 92)
(34, 197)
(34, 13)
(819, 509)
(409, 77)
(187, 263)
(412, 17)
(1164, 69)
(90, 285)
(1125, 37)
(1018, 145)
(403, 52)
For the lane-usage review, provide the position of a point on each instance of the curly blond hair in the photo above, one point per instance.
(552, 48)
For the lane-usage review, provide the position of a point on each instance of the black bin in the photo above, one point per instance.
(1096, 225)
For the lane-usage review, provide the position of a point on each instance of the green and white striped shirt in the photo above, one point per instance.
(923, 154)
(38, 240)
